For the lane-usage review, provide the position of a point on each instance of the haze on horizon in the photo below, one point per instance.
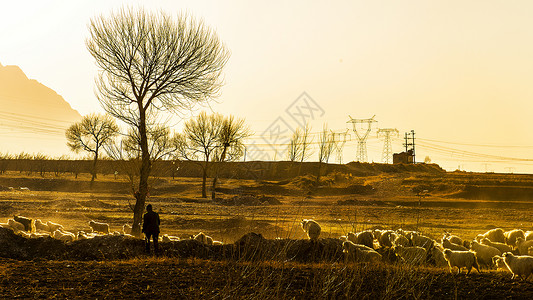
(457, 73)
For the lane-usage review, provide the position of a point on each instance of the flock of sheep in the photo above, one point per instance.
(496, 248)
(30, 228)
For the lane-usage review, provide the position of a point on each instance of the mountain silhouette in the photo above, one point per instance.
(33, 117)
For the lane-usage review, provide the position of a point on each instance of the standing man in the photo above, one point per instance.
(151, 228)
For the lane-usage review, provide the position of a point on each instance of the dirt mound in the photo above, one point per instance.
(248, 200)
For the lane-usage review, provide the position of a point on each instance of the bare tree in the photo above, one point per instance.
(152, 62)
(295, 145)
(230, 147)
(326, 145)
(199, 142)
(305, 141)
(90, 134)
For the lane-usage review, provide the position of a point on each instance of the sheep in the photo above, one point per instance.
(377, 233)
(529, 235)
(82, 235)
(127, 229)
(484, 253)
(386, 237)
(500, 246)
(363, 238)
(461, 259)
(438, 257)
(453, 238)
(512, 235)
(401, 241)
(519, 265)
(421, 241)
(52, 227)
(523, 246)
(167, 238)
(411, 255)
(24, 234)
(312, 228)
(359, 253)
(27, 222)
(499, 263)
(16, 226)
(40, 226)
(204, 239)
(494, 235)
(64, 236)
(449, 245)
(99, 227)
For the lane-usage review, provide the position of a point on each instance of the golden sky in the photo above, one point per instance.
(457, 72)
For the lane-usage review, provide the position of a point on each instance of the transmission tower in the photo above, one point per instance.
(339, 139)
(387, 133)
(362, 135)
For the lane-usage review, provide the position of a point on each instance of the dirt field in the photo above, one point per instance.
(462, 203)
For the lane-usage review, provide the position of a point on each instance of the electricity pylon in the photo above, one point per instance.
(387, 134)
(361, 155)
(339, 139)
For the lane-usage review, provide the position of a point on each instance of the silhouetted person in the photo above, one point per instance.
(151, 228)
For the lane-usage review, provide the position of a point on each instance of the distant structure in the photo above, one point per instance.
(339, 139)
(407, 157)
(362, 135)
(387, 134)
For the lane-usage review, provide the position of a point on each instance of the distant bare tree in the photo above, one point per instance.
(90, 134)
(230, 147)
(152, 62)
(306, 141)
(199, 142)
(326, 145)
(295, 145)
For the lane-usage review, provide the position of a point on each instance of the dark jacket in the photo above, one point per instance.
(151, 222)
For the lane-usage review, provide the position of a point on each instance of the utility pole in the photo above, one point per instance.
(410, 143)
(362, 136)
(339, 139)
(387, 133)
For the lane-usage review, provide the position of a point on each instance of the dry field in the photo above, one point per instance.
(455, 202)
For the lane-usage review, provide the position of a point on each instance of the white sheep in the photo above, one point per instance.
(359, 253)
(401, 241)
(484, 253)
(512, 235)
(16, 226)
(494, 235)
(523, 246)
(27, 222)
(82, 235)
(386, 237)
(99, 227)
(519, 265)
(203, 238)
(421, 241)
(499, 263)
(127, 229)
(411, 255)
(529, 235)
(312, 228)
(438, 256)
(40, 226)
(24, 234)
(452, 246)
(64, 236)
(500, 246)
(52, 227)
(461, 259)
(363, 238)
(453, 238)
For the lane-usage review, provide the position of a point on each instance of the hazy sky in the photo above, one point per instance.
(454, 71)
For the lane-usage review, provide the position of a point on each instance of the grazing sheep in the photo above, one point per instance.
(40, 226)
(126, 229)
(377, 233)
(99, 227)
(499, 263)
(64, 236)
(449, 245)
(401, 241)
(204, 239)
(494, 235)
(519, 265)
(411, 255)
(359, 253)
(312, 228)
(27, 222)
(436, 254)
(453, 238)
(461, 259)
(363, 238)
(500, 246)
(523, 246)
(16, 226)
(484, 253)
(421, 241)
(54, 226)
(386, 237)
(512, 235)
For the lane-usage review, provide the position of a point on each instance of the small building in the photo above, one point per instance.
(403, 157)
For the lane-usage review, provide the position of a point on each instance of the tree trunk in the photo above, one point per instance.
(204, 180)
(93, 171)
(141, 194)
